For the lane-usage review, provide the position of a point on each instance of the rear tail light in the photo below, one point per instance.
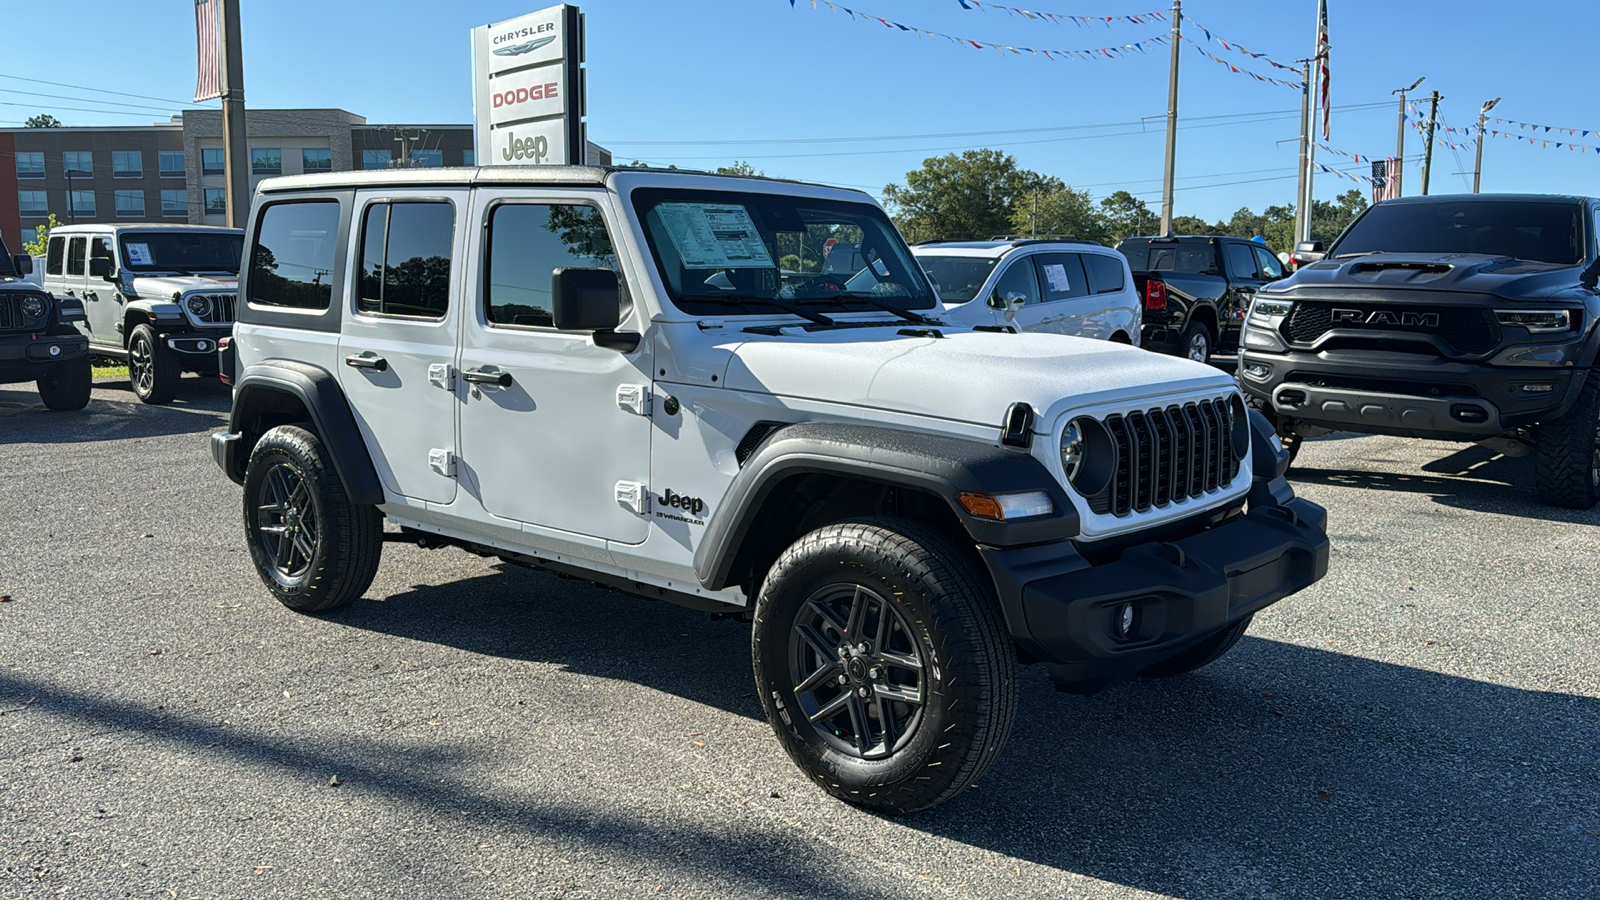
(1155, 294)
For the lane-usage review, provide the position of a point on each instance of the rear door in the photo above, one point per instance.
(73, 280)
(399, 335)
(100, 303)
(1112, 301)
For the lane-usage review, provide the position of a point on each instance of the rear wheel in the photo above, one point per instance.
(67, 385)
(152, 369)
(1202, 654)
(883, 663)
(1567, 452)
(1196, 342)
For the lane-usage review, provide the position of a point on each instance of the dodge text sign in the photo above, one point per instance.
(528, 85)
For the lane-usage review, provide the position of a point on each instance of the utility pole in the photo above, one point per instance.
(1427, 151)
(1301, 208)
(1172, 120)
(1477, 166)
(1400, 135)
(1033, 218)
(235, 143)
(72, 203)
(407, 144)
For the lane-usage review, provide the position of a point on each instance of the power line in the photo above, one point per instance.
(87, 100)
(104, 112)
(82, 87)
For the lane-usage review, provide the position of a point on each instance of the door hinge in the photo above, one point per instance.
(442, 375)
(633, 495)
(443, 462)
(634, 398)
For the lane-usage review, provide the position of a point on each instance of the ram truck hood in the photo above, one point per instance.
(162, 287)
(1470, 273)
(965, 376)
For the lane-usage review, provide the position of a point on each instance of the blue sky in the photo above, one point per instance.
(705, 82)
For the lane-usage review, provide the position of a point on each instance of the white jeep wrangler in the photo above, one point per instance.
(608, 373)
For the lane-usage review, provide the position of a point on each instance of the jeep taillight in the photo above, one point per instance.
(1155, 295)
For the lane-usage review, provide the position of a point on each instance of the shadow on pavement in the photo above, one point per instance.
(113, 413)
(1473, 478)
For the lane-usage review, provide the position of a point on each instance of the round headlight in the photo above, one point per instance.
(1239, 426)
(33, 307)
(200, 306)
(1088, 456)
(1072, 450)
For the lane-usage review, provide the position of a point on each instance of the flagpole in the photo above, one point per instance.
(235, 144)
(1320, 57)
(1305, 142)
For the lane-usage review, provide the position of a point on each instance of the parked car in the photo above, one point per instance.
(1445, 318)
(1062, 286)
(38, 342)
(1196, 290)
(157, 297)
(601, 373)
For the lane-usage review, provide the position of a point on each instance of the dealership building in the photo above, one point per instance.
(173, 171)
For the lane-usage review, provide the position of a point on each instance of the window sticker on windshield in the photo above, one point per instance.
(1057, 276)
(714, 236)
(139, 254)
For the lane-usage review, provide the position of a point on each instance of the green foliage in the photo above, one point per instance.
(43, 120)
(1125, 215)
(1062, 210)
(41, 237)
(739, 167)
(963, 197)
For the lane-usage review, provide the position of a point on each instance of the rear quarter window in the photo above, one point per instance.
(292, 259)
(1106, 273)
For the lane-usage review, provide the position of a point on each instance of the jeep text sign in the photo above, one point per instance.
(528, 85)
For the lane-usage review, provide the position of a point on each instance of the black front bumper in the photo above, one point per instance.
(27, 356)
(1063, 609)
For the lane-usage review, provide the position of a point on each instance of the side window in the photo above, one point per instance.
(1018, 278)
(1107, 274)
(1271, 269)
(405, 259)
(53, 254)
(528, 242)
(1061, 276)
(291, 263)
(75, 248)
(1241, 262)
(100, 248)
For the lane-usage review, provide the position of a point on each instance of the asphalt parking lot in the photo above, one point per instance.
(1425, 722)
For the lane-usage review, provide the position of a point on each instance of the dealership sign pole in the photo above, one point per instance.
(528, 90)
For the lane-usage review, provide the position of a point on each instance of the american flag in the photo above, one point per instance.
(209, 85)
(1385, 179)
(1322, 61)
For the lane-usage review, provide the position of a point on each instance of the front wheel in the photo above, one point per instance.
(67, 386)
(152, 368)
(883, 663)
(1567, 452)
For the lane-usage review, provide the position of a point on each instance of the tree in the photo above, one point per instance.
(41, 237)
(1194, 225)
(966, 196)
(43, 120)
(1126, 215)
(1329, 220)
(739, 167)
(1060, 211)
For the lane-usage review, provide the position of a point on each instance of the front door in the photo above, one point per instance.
(546, 434)
(399, 335)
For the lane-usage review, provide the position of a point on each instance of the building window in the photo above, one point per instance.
(375, 159)
(427, 159)
(292, 261)
(130, 204)
(33, 203)
(216, 202)
(211, 161)
(30, 165)
(469, 158)
(313, 159)
(175, 203)
(78, 162)
(80, 203)
(171, 162)
(127, 164)
(266, 161)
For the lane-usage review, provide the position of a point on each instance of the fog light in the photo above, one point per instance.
(1258, 372)
(204, 346)
(1124, 621)
(55, 351)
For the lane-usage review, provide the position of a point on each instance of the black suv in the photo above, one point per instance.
(1447, 318)
(37, 340)
(1196, 289)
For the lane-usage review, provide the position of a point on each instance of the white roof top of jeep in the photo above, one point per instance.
(109, 227)
(542, 176)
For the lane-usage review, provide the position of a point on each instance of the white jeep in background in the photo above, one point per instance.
(1054, 285)
(606, 373)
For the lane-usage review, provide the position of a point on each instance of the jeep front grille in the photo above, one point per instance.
(221, 310)
(1467, 330)
(1167, 455)
(11, 316)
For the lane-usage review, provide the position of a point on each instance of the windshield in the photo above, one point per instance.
(190, 252)
(958, 278)
(1549, 231)
(723, 253)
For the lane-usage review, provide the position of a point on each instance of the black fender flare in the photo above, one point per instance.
(318, 390)
(939, 465)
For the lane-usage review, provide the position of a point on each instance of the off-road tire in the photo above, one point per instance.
(157, 385)
(969, 683)
(1287, 436)
(346, 538)
(1200, 655)
(66, 386)
(1567, 452)
(1197, 331)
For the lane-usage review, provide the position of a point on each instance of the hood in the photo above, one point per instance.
(966, 376)
(164, 286)
(1470, 273)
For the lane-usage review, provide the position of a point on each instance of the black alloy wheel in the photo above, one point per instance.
(286, 521)
(857, 672)
(152, 368)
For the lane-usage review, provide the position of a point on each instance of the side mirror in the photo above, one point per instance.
(1014, 302)
(1590, 277)
(590, 300)
(100, 267)
(1308, 252)
(23, 263)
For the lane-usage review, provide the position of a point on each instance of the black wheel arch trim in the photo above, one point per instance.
(318, 391)
(938, 465)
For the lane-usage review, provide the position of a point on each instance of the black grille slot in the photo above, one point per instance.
(1168, 455)
(10, 312)
(752, 440)
(1467, 330)
(1381, 385)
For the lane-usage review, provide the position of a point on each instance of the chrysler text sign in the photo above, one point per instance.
(528, 85)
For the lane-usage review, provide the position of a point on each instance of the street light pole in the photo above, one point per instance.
(1301, 208)
(1477, 165)
(1172, 120)
(1400, 135)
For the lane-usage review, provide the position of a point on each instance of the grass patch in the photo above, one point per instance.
(112, 371)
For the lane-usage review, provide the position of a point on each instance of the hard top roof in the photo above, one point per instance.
(87, 228)
(551, 176)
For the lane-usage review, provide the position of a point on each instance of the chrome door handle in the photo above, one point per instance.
(479, 376)
(367, 362)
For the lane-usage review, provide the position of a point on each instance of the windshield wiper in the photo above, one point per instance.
(880, 303)
(746, 299)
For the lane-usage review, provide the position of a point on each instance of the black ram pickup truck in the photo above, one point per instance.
(1196, 290)
(1446, 318)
